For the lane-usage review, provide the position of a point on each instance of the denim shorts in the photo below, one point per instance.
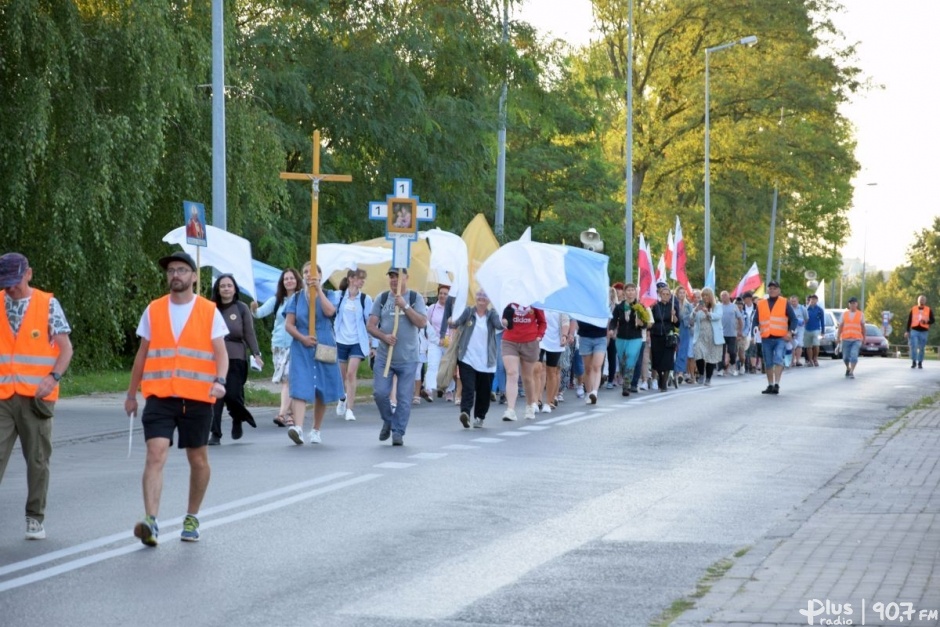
(850, 350)
(345, 351)
(590, 345)
(774, 349)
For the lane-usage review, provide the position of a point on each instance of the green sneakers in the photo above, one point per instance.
(190, 529)
(147, 531)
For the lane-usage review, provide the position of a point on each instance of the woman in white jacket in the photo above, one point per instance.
(707, 336)
(352, 340)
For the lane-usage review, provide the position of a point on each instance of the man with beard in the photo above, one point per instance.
(180, 366)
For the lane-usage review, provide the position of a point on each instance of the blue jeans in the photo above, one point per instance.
(918, 342)
(382, 390)
(850, 350)
(773, 349)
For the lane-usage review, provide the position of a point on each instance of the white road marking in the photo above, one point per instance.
(106, 540)
(560, 418)
(533, 428)
(137, 546)
(514, 434)
(428, 456)
(574, 420)
(394, 465)
(459, 447)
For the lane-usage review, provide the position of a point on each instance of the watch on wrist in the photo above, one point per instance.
(219, 380)
(55, 375)
(407, 307)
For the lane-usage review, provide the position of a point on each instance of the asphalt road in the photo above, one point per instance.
(592, 515)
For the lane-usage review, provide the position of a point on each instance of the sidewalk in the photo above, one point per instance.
(863, 550)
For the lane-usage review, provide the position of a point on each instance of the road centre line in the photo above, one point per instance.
(514, 434)
(115, 537)
(137, 546)
(549, 421)
(488, 440)
(459, 447)
(574, 420)
(533, 428)
(394, 465)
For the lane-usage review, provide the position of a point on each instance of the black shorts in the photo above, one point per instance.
(550, 358)
(164, 415)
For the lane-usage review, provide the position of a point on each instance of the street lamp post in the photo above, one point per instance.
(746, 41)
(628, 218)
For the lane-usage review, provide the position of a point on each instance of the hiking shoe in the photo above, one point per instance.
(341, 407)
(314, 436)
(190, 531)
(509, 415)
(295, 434)
(147, 530)
(386, 431)
(530, 411)
(34, 529)
(350, 416)
(465, 419)
(477, 423)
(397, 439)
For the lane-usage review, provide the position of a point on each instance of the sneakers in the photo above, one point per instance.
(913, 364)
(547, 408)
(477, 423)
(580, 391)
(449, 397)
(735, 372)
(654, 384)
(708, 381)
(214, 440)
(776, 388)
(34, 529)
(609, 385)
(502, 399)
(509, 415)
(397, 439)
(295, 434)
(560, 398)
(530, 411)
(465, 419)
(314, 436)
(642, 386)
(635, 389)
(426, 395)
(386, 431)
(341, 407)
(851, 375)
(625, 392)
(769, 390)
(350, 415)
(190, 531)
(920, 365)
(847, 373)
(720, 373)
(147, 531)
(592, 398)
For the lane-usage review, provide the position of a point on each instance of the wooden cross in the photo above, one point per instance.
(315, 177)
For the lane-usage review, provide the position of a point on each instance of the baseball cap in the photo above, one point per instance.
(12, 268)
(853, 300)
(748, 294)
(618, 285)
(178, 256)
(661, 285)
(397, 271)
(773, 284)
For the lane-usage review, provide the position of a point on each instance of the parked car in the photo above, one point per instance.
(827, 341)
(875, 342)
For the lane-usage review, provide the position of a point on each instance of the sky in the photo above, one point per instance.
(898, 139)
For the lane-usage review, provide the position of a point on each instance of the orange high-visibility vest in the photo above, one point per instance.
(773, 323)
(31, 355)
(852, 325)
(920, 318)
(184, 368)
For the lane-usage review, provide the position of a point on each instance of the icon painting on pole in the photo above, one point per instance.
(402, 212)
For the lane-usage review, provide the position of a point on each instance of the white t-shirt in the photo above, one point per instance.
(347, 327)
(179, 316)
(476, 354)
(551, 341)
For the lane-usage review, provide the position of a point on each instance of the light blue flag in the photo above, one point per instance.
(585, 296)
(710, 277)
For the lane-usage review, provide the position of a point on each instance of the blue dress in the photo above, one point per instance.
(309, 378)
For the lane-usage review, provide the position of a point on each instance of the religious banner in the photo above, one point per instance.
(194, 216)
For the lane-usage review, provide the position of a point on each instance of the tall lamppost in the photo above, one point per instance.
(865, 251)
(628, 218)
(750, 40)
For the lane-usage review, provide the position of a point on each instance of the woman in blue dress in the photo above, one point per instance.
(311, 381)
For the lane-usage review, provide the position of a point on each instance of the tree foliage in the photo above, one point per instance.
(107, 127)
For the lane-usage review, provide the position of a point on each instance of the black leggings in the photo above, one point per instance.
(708, 369)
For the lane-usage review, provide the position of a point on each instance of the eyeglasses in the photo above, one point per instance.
(178, 271)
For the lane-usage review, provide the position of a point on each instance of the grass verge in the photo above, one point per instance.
(712, 574)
